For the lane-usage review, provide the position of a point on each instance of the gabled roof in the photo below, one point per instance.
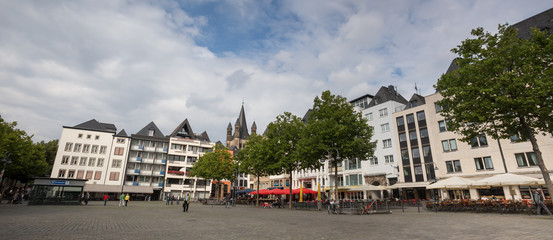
(94, 125)
(542, 21)
(386, 94)
(183, 130)
(146, 131)
(122, 133)
(416, 100)
(203, 136)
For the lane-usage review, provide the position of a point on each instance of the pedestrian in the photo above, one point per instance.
(178, 199)
(172, 199)
(86, 197)
(167, 199)
(539, 202)
(185, 202)
(106, 198)
(127, 198)
(227, 201)
(122, 200)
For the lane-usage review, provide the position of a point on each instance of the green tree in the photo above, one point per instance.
(333, 127)
(255, 159)
(503, 87)
(283, 137)
(50, 150)
(217, 165)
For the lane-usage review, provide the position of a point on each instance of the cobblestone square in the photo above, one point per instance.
(151, 220)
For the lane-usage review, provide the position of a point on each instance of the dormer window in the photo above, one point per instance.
(151, 132)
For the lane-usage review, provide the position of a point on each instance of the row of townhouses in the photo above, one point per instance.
(415, 152)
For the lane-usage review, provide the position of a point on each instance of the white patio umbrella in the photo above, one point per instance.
(451, 183)
(508, 179)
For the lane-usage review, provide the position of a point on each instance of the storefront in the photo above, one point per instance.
(54, 191)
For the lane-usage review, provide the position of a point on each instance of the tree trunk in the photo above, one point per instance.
(539, 157)
(290, 202)
(257, 193)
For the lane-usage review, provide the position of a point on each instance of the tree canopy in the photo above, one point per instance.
(217, 165)
(503, 87)
(333, 124)
(27, 159)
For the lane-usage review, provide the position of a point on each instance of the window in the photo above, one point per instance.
(418, 170)
(116, 163)
(483, 163)
(383, 112)
(86, 147)
(526, 159)
(151, 132)
(413, 135)
(119, 151)
(453, 166)
(120, 140)
(97, 137)
(389, 159)
(71, 174)
(400, 122)
(402, 137)
(100, 162)
(61, 173)
(449, 145)
(479, 141)
(64, 160)
(92, 162)
(373, 161)
(68, 147)
(438, 107)
(404, 155)
(103, 149)
(387, 143)
(80, 135)
(420, 116)
(94, 149)
(416, 153)
(369, 116)
(74, 160)
(426, 151)
(89, 175)
(385, 127)
(97, 175)
(88, 136)
(410, 118)
(424, 132)
(77, 147)
(442, 125)
(80, 174)
(114, 176)
(83, 161)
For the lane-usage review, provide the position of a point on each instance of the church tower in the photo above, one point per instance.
(236, 140)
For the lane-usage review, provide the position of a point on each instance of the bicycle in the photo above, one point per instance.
(334, 208)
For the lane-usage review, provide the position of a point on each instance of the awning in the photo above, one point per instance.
(408, 185)
(451, 183)
(366, 188)
(102, 188)
(138, 189)
(509, 179)
(339, 188)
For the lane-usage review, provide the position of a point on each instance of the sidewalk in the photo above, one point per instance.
(155, 220)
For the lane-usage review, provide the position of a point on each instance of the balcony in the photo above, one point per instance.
(150, 149)
(145, 173)
(133, 171)
(138, 159)
(140, 147)
(144, 184)
(150, 161)
(163, 150)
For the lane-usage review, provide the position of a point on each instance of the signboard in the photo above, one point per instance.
(60, 182)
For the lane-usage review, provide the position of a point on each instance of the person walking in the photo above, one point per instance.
(167, 199)
(86, 197)
(122, 200)
(539, 202)
(172, 199)
(106, 198)
(127, 198)
(185, 202)
(178, 199)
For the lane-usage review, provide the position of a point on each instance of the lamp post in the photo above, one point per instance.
(334, 162)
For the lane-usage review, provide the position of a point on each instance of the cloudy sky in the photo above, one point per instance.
(132, 62)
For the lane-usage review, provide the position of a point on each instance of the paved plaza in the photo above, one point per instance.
(155, 220)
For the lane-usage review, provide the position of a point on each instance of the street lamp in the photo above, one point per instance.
(334, 162)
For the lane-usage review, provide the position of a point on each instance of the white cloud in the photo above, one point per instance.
(128, 63)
